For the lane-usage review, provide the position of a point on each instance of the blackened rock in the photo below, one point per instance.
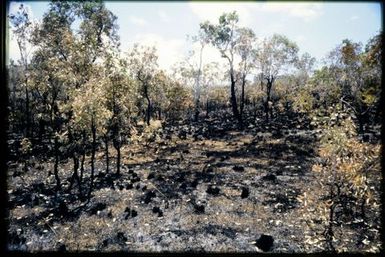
(121, 238)
(130, 171)
(62, 209)
(97, 207)
(238, 168)
(265, 243)
(194, 183)
(105, 242)
(160, 213)
(151, 175)
(213, 190)
(129, 186)
(109, 215)
(134, 213)
(199, 208)
(155, 209)
(62, 248)
(245, 192)
(144, 188)
(183, 186)
(270, 177)
(121, 187)
(149, 196)
(186, 151)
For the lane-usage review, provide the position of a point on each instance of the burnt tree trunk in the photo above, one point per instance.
(117, 146)
(269, 85)
(56, 165)
(106, 154)
(233, 100)
(93, 130)
(148, 111)
(83, 156)
(242, 104)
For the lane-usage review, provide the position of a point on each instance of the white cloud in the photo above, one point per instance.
(137, 21)
(305, 11)
(169, 50)
(353, 18)
(300, 39)
(164, 16)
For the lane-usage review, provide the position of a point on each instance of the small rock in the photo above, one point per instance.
(265, 243)
(199, 208)
(245, 192)
(151, 175)
(213, 190)
(62, 248)
(194, 183)
(238, 168)
(270, 177)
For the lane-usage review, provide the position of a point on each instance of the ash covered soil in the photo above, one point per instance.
(199, 187)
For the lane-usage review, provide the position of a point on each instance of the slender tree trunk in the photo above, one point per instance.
(118, 155)
(268, 93)
(242, 104)
(207, 108)
(93, 129)
(106, 154)
(27, 112)
(56, 165)
(83, 156)
(75, 175)
(234, 100)
(148, 112)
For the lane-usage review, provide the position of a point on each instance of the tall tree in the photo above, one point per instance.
(225, 37)
(142, 61)
(22, 28)
(246, 49)
(276, 53)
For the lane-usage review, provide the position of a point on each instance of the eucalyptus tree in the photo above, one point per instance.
(353, 70)
(65, 62)
(276, 54)
(53, 39)
(202, 39)
(304, 65)
(22, 28)
(225, 37)
(142, 63)
(248, 51)
(90, 113)
(121, 94)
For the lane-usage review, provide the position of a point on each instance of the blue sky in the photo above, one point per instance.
(317, 27)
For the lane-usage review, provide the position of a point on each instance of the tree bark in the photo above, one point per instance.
(242, 104)
(234, 99)
(56, 165)
(148, 112)
(93, 130)
(269, 85)
(106, 154)
(83, 156)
